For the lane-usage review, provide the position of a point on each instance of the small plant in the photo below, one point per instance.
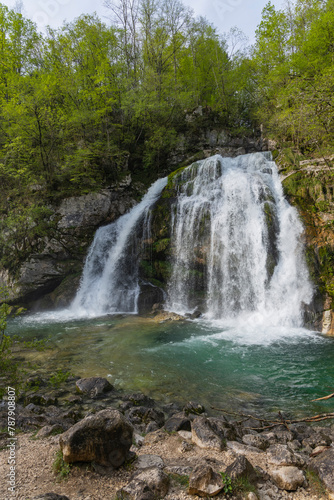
(227, 483)
(58, 378)
(243, 485)
(316, 485)
(61, 468)
(181, 479)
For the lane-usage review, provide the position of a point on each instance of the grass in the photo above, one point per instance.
(316, 485)
(61, 468)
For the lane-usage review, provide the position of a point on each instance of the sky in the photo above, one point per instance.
(224, 14)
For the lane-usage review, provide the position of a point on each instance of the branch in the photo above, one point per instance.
(325, 397)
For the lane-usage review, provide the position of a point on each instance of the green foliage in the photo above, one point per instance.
(58, 378)
(61, 468)
(180, 479)
(228, 489)
(243, 485)
(315, 484)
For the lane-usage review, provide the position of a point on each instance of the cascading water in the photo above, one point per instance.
(109, 282)
(237, 244)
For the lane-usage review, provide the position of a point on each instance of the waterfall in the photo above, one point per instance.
(109, 281)
(237, 244)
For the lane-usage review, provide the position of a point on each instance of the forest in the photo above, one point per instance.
(84, 105)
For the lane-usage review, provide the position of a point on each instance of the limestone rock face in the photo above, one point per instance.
(87, 210)
(104, 438)
(205, 482)
(149, 484)
(323, 465)
(288, 478)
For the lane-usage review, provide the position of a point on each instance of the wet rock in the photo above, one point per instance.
(105, 438)
(93, 386)
(148, 461)
(223, 428)
(205, 482)
(256, 440)
(241, 468)
(139, 399)
(140, 415)
(193, 407)
(149, 295)
(204, 436)
(41, 399)
(288, 478)
(323, 465)
(148, 484)
(178, 422)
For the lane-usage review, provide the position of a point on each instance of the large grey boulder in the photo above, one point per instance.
(148, 484)
(288, 478)
(205, 482)
(104, 438)
(205, 436)
(323, 465)
(93, 386)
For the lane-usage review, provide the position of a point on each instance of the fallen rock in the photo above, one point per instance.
(93, 386)
(256, 440)
(241, 468)
(204, 481)
(279, 454)
(204, 436)
(148, 461)
(104, 438)
(148, 484)
(49, 430)
(242, 449)
(323, 465)
(178, 422)
(288, 478)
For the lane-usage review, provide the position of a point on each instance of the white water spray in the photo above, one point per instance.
(237, 238)
(109, 283)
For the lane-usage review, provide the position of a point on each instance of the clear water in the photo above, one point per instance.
(215, 364)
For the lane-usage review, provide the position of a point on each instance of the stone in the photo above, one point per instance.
(148, 484)
(288, 478)
(193, 407)
(185, 435)
(205, 482)
(139, 399)
(88, 210)
(178, 422)
(104, 438)
(149, 295)
(143, 415)
(279, 454)
(256, 440)
(323, 465)
(148, 461)
(204, 436)
(49, 430)
(50, 496)
(241, 468)
(93, 386)
(242, 449)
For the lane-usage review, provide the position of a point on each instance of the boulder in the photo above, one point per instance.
(149, 295)
(279, 454)
(148, 461)
(241, 449)
(193, 407)
(93, 386)
(323, 465)
(256, 440)
(140, 415)
(178, 422)
(205, 482)
(288, 478)
(241, 468)
(88, 210)
(104, 438)
(205, 436)
(148, 484)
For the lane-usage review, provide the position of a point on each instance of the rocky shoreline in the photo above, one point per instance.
(130, 446)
